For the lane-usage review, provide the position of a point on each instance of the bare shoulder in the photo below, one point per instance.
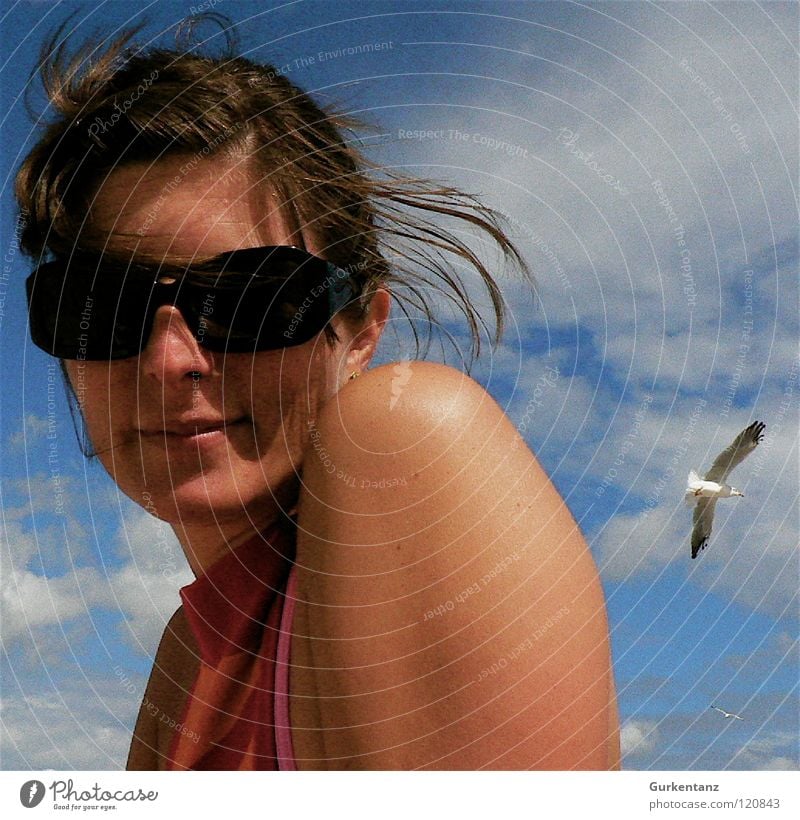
(417, 445)
(452, 611)
(417, 419)
(410, 393)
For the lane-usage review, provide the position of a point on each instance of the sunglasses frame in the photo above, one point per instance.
(228, 274)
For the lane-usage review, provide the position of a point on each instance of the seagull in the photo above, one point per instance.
(727, 714)
(704, 492)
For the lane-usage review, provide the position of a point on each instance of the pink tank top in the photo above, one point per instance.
(236, 715)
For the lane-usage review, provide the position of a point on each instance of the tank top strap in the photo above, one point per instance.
(283, 727)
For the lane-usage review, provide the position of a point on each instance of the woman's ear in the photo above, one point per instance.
(365, 340)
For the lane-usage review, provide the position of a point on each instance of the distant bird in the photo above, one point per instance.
(727, 714)
(704, 492)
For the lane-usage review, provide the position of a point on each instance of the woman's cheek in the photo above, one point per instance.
(107, 400)
(90, 385)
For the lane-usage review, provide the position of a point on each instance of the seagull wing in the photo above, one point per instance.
(736, 452)
(703, 519)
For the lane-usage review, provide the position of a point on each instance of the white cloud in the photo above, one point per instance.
(778, 764)
(638, 737)
(773, 751)
(67, 711)
(31, 601)
(143, 590)
(640, 544)
(35, 428)
(86, 725)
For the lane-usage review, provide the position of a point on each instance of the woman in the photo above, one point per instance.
(386, 579)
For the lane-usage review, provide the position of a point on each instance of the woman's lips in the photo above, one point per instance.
(196, 431)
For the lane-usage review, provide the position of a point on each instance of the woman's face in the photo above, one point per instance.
(202, 437)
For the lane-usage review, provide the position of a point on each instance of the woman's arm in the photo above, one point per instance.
(450, 614)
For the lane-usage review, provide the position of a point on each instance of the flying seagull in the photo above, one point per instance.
(704, 492)
(727, 714)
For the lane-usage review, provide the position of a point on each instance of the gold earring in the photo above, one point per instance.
(354, 375)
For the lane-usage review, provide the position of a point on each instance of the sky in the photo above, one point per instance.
(644, 156)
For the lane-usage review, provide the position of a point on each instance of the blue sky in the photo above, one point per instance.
(607, 134)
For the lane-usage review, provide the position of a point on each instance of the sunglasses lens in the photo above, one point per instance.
(78, 314)
(263, 299)
(249, 318)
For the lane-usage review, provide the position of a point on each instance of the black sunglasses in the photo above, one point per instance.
(96, 308)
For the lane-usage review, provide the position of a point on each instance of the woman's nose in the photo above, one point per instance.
(172, 351)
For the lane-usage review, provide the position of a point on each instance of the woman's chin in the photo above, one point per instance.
(189, 506)
(203, 502)
(219, 487)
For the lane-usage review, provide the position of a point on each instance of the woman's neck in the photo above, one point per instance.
(204, 545)
(211, 533)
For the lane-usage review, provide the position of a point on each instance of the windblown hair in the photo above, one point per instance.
(119, 104)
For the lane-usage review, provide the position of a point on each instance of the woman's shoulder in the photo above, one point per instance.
(418, 412)
(437, 562)
(423, 440)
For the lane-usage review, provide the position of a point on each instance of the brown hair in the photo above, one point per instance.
(121, 104)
